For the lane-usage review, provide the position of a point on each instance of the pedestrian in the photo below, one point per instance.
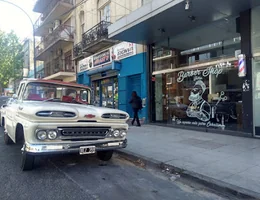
(136, 103)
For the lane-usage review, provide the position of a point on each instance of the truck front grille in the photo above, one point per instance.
(92, 132)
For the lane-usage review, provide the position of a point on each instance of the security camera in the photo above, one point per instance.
(187, 5)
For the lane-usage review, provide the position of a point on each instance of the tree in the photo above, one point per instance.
(11, 58)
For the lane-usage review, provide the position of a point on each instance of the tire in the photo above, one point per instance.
(105, 155)
(27, 161)
(7, 139)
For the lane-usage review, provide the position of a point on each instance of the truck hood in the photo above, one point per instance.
(30, 108)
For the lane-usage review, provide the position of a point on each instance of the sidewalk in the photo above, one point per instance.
(228, 160)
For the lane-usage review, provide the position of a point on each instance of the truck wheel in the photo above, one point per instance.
(7, 139)
(27, 161)
(105, 155)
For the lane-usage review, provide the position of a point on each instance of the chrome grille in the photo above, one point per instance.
(84, 131)
(114, 116)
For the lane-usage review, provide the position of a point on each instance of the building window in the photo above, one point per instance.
(48, 69)
(82, 23)
(57, 65)
(105, 13)
(68, 62)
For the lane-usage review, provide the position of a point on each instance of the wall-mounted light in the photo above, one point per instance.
(187, 5)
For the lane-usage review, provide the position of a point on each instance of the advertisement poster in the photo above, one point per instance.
(85, 64)
(102, 58)
(123, 50)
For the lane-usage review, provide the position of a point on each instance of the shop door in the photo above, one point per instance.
(160, 97)
(108, 96)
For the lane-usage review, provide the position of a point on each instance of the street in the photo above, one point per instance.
(85, 177)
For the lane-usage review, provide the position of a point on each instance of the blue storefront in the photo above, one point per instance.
(113, 74)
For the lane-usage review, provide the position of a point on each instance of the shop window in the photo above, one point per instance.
(208, 97)
(255, 33)
(96, 92)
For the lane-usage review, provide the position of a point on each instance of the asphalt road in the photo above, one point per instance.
(85, 177)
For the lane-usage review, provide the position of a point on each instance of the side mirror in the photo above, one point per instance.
(15, 96)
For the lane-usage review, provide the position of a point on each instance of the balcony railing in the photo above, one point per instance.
(57, 67)
(48, 9)
(77, 50)
(95, 34)
(63, 32)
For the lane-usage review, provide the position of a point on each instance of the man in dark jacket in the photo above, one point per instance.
(136, 103)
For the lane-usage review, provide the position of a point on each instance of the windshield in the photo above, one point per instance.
(54, 92)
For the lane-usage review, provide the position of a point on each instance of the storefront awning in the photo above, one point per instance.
(161, 19)
(113, 66)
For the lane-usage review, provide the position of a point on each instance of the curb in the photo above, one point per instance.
(211, 183)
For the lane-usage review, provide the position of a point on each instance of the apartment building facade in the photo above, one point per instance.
(28, 61)
(56, 27)
(112, 68)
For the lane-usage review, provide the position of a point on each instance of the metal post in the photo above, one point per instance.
(34, 55)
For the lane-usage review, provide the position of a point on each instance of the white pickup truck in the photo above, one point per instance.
(50, 117)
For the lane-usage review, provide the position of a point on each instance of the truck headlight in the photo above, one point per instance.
(123, 133)
(52, 135)
(41, 135)
(116, 133)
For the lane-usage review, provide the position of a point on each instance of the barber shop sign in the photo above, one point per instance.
(212, 70)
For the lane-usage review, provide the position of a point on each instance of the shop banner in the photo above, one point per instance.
(123, 50)
(85, 64)
(102, 58)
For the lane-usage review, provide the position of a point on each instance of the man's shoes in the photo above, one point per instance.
(138, 125)
(132, 123)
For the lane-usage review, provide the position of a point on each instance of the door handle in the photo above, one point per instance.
(20, 107)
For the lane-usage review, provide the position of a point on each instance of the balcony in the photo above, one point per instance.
(60, 37)
(96, 38)
(77, 50)
(53, 10)
(59, 71)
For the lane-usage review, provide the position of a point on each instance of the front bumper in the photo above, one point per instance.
(64, 148)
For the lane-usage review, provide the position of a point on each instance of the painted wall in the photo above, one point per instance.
(132, 69)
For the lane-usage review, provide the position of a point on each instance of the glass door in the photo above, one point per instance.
(109, 92)
(107, 96)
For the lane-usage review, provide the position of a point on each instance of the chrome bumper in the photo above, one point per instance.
(71, 148)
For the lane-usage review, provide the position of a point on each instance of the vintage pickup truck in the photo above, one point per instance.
(49, 117)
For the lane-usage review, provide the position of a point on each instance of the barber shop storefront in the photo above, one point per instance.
(203, 64)
(202, 93)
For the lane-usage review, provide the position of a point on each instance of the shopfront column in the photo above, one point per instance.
(245, 32)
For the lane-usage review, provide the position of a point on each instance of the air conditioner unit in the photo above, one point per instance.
(57, 23)
(59, 52)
